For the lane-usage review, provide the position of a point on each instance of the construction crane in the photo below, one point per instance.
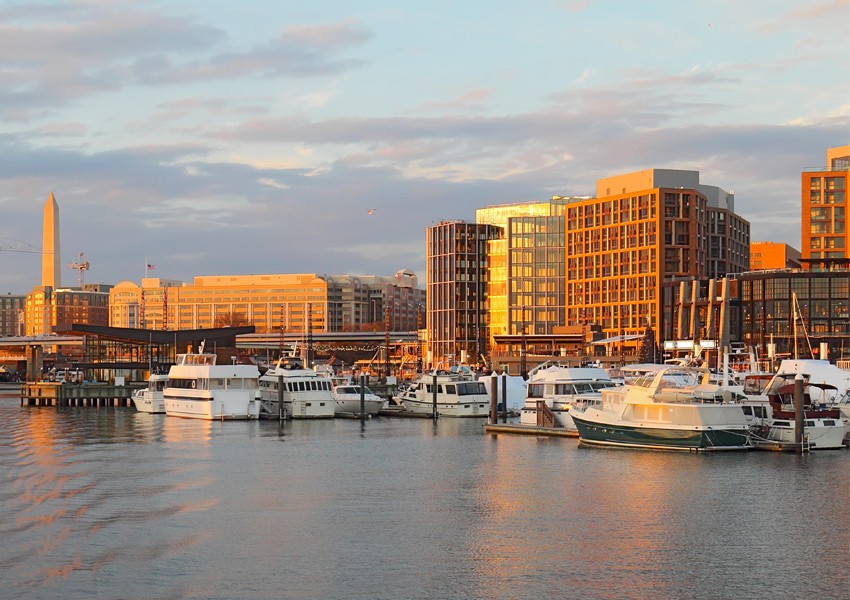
(81, 266)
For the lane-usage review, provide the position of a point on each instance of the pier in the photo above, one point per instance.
(48, 393)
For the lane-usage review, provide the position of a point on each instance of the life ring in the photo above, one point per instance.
(194, 383)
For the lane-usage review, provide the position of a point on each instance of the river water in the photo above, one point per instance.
(111, 503)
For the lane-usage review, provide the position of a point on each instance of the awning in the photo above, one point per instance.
(616, 339)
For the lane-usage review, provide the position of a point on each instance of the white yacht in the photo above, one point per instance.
(151, 399)
(198, 388)
(347, 399)
(306, 394)
(458, 393)
(554, 389)
(670, 408)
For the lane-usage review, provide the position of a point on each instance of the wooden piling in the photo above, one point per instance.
(494, 399)
(434, 398)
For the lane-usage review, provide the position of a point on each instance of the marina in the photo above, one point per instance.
(400, 508)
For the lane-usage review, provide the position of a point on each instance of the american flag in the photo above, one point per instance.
(151, 267)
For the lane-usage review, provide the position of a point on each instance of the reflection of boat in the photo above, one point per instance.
(198, 388)
(306, 394)
(347, 398)
(553, 390)
(151, 399)
(670, 408)
(458, 394)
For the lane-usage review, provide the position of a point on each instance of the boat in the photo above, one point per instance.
(347, 400)
(825, 427)
(198, 388)
(671, 408)
(554, 389)
(306, 394)
(151, 399)
(458, 394)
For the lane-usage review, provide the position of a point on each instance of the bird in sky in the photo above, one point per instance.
(371, 210)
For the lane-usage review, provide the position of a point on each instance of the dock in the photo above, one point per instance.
(49, 393)
(516, 428)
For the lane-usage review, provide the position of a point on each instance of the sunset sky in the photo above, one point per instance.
(212, 137)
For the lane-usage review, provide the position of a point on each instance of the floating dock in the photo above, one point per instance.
(516, 428)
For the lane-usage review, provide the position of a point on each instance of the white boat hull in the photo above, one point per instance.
(148, 402)
(447, 409)
(225, 405)
(820, 436)
(371, 406)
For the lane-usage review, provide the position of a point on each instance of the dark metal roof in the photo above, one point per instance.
(157, 336)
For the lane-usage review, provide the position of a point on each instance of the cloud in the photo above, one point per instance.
(49, 58)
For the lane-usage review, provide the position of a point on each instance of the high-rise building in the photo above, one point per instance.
(456, 255)
(773, 255)
(640, 229)
(526, 285)
(825, 235)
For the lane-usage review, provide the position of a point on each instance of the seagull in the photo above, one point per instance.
(371, 210)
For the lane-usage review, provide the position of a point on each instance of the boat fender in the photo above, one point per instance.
(194, 383)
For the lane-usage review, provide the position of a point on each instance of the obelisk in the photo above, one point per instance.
(50, 244)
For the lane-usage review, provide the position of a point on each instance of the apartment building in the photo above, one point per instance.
(824, 202)
(641, 229)
(47, 308)
(456, 286)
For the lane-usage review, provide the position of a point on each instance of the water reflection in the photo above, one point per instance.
(110, 502)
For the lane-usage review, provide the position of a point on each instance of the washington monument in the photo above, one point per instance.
(50, 244)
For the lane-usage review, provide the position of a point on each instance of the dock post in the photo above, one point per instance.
(798, 411)
(434, 398)
(494, 399)
(362, 399)
(280, 414)
(504, 397)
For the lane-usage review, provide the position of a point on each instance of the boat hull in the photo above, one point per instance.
(149, 403)
(349, 406)
(447, 409)
(817, 437)
(233, 407)
(662, 438)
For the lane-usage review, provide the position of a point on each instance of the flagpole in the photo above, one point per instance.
(146, 267)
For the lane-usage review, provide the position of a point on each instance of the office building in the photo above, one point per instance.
(756, 309)
(292, 303)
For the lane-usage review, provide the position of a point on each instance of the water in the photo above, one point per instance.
(110, 503)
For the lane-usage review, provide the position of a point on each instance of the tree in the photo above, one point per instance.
(648, 352)
(230, 319)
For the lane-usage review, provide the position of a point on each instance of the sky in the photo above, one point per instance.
(281, 136)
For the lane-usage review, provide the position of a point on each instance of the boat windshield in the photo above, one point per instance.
(471, 388)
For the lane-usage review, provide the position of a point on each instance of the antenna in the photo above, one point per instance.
(81, 266)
